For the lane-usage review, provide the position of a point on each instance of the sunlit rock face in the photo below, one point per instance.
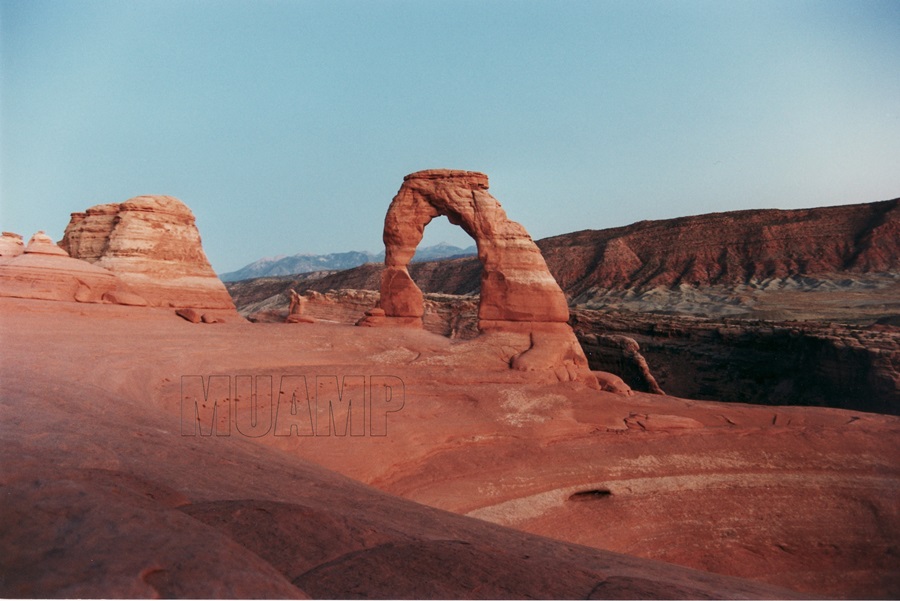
(153, 245)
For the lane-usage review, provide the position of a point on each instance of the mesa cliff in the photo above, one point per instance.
(736, 247)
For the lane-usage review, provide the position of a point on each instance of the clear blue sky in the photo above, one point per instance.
(287, 126)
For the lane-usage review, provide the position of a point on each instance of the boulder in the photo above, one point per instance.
(192, 315)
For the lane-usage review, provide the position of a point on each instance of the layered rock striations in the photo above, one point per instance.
(518, 293)
(736, 247)
(42, 270)
(152, 244)
(768, 363)
(515, 282)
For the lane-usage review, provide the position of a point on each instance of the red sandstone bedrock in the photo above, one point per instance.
(801, 497)
(102, 496)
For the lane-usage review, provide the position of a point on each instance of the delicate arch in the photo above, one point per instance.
(516, 285)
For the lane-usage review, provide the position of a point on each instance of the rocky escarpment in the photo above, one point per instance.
(769, 363)
(153, 245)
(727, 248)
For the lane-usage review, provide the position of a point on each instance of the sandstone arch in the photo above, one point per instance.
(518, 292)
(515, 283)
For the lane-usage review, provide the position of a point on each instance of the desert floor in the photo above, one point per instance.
(111, 488)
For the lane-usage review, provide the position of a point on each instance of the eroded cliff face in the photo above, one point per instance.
(152, 244)
(731, 248)
(766, 363)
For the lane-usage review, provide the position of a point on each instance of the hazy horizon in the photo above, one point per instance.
(287, 127)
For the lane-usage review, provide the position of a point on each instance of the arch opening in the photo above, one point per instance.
(516, 286)
(518, 293)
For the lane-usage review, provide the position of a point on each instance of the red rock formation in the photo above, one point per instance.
(518, 294)
(152, 244)
(41, 244)
(515, 282)
(295, 310)
(727, 248)
(11, 245)
(44, 271)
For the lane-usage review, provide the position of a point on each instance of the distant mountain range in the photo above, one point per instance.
(308, 263)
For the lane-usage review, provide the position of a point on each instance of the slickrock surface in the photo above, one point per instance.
(112, 494)
(803, 498)
(153, 245)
